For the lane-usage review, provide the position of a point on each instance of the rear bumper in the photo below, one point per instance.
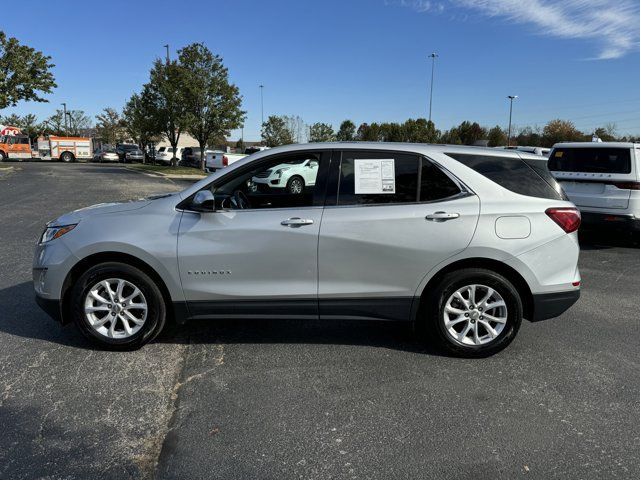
(610, 220)
(551, 305)
(51, 307)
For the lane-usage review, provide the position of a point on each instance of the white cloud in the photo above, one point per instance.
(613, 25)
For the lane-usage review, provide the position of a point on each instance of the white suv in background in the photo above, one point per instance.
(294, 176)
(602, 179)
(165, 154)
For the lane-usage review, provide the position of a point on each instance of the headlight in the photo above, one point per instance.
(280, 170)
(51, 233)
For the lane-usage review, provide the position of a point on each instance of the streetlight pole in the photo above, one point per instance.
(167, 47)
(433, 57)
(64, 106)
(511, 99)
(262, 105)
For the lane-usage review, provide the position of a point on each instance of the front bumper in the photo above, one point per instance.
(610, 220)
(551, 305)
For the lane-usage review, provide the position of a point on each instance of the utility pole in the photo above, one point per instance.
(511, 99)
(167, 47)
(262, 105)
(433, 57)
(64, 106)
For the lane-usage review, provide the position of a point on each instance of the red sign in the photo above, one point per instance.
(8, 130)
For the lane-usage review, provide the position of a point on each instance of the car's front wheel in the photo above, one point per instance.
(474, 312)
(118, 306)
(295, 185)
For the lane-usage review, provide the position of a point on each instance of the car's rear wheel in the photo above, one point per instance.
(295, 185)
(474, 312)
(118, 306)
(67, 157)
(3, 156)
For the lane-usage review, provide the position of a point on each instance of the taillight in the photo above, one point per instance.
(627, 185)
(567, 218)
(225, 161)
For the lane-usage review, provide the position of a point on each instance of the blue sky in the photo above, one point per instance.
(360, 59)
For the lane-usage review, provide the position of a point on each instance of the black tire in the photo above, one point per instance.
(67, 157)
(294, 183)
(437, 300)
(156, 309)
(3, 156)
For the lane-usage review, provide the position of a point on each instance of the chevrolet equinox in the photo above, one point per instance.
(463, 241)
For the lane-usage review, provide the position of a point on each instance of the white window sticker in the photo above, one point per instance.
(375, 175)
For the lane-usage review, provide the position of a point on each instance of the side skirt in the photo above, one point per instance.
(388, 308)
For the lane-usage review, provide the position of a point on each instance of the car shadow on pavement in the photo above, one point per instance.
(23, 318)
(604, 239)
(380, 334)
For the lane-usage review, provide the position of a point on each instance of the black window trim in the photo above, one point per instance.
(319, 198)
(331, 198)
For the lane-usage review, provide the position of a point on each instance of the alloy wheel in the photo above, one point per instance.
(115, 308)
(475, 315)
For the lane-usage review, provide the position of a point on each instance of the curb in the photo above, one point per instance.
(164, 175)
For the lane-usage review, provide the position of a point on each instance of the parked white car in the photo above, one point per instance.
(165, 154)
(294, 176)
(602, 179)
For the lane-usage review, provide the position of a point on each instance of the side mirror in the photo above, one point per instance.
(204, 201)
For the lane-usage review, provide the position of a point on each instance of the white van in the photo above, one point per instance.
(602, 179)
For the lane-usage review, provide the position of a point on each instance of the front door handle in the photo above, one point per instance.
(442, 216)
(296, 222)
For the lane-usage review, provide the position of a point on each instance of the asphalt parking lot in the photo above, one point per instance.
(287, 399)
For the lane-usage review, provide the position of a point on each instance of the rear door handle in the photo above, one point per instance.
(442, 216)
(296, 222)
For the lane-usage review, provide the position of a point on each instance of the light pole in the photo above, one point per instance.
(64, 106)
(433, 57)
(262, 105)
(167, 47)
(511, 99)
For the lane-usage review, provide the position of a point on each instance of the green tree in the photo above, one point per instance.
(76, 122)
(25, 73)
(240, 146)
(530, 137)
(169, 107)
(561, 131)
(369, 132)
(470, 133)
(451, 137)
(497, 137)
(54, 125)
(275, 131)
(347, 131)
(607, 133)
(321, 132)
(213, 104)
(420, 130)
(138, 118)
(110, 127)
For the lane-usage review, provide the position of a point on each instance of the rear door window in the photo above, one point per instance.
(591, 160)
(514, 174)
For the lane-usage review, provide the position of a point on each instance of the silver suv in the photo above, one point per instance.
(462, 241)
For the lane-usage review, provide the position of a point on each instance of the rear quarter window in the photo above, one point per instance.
(591, 160)
(514, 174)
